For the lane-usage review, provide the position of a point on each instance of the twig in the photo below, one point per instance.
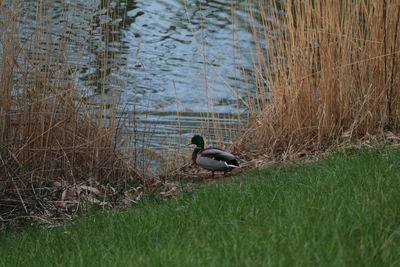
(34, 194)
(15, 185)
(33, 217)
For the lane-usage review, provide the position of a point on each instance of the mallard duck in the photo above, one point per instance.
(212, 159)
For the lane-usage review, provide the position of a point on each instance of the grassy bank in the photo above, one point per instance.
(342, 210)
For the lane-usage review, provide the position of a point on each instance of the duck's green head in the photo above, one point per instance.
(198, 141)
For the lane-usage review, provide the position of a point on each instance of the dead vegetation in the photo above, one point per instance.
(56, 151)
(325, 71)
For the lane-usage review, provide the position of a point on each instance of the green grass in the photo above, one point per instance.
(341, 211)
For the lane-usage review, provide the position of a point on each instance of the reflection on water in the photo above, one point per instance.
(170, 63)
(182, 56)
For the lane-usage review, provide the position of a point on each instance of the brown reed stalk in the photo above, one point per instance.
(49, 135)
(331, 68)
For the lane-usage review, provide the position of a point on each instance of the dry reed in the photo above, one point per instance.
(324, 71)
(54, 147)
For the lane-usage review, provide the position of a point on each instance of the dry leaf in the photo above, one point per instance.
(91, 189)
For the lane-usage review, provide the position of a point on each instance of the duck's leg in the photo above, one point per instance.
(212, 175)
(224, 175)
(212, 178)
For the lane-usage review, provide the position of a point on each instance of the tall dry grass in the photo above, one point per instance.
(54, 146)
(332, 69)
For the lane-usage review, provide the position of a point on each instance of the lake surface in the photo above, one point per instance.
(175, 66)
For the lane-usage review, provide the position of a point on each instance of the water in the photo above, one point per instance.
(186, 48)
(182, 58)
(170, 64)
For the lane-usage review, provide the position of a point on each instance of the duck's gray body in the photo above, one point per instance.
(214, 159)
